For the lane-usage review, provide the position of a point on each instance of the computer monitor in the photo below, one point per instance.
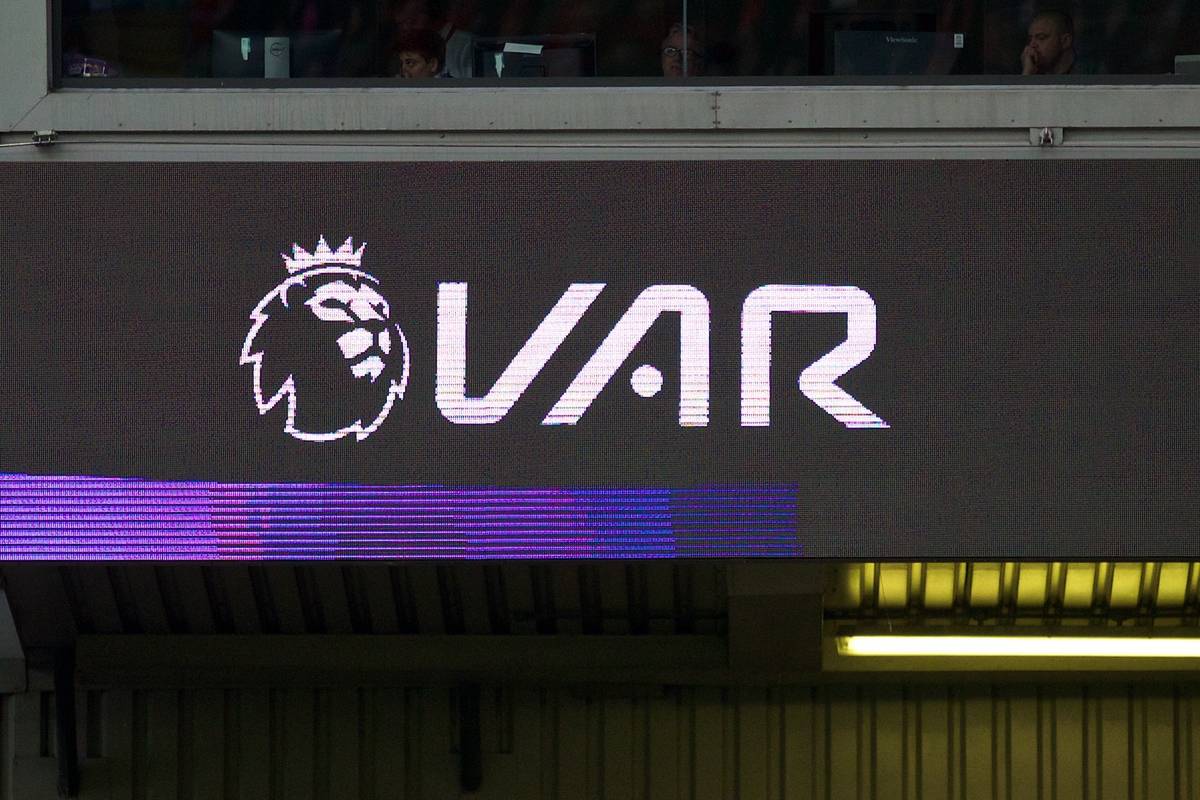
(564, 56)
(895, 52)
(243, 54)
(1187, 64)
(315, 54)
(825, 26)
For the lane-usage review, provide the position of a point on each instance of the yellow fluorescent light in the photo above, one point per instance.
(1045, 646)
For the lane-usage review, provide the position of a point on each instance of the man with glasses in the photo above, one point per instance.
(682, 44)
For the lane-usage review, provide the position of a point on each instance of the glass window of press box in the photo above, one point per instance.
(349, 41)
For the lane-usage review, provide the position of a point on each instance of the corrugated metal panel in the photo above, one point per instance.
(53, 603)
(1016, 589)
(867, 741)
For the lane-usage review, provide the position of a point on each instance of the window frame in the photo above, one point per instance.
(29, 101)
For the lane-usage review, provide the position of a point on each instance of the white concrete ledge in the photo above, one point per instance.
(595, 109)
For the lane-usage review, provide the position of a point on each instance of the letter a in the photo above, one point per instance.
(817, 380)
(620, 342)
(451, 386)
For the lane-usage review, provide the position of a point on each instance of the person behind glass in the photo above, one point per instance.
(420, 53)
(408, 15)
(1051, 46)
(678, 40)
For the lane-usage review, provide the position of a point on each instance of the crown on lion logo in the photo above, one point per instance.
(301, 260)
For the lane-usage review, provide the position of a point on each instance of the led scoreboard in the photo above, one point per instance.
(838, 359)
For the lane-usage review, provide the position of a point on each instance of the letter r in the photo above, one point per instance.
(817, 380)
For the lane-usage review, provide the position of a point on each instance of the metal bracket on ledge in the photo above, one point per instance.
(1045, 137)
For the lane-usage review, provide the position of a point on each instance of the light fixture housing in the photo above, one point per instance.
(1009, 645)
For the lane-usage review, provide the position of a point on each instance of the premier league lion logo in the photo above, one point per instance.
(324, 339)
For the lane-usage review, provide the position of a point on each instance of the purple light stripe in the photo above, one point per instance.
(524, 525)
(89, 513)
(716, 551)
(63, 521)
(268, 488)
(130, 518)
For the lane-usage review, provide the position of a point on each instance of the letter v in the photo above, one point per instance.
(451, 386)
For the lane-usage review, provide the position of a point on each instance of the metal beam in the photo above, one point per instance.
(285, 661)
(64, 723)
(775, 614)
(323, 660)
(740, 145)
(470, 740)
(13, 677)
